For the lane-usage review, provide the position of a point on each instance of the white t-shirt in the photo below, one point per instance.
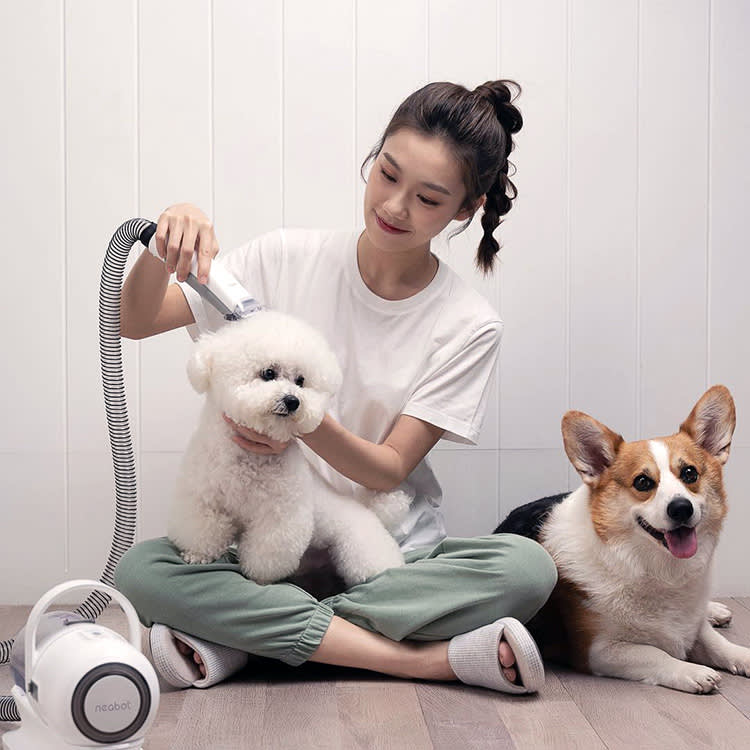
(430, 356)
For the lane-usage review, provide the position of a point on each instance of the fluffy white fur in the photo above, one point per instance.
(274, 374)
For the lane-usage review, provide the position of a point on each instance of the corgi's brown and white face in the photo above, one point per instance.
(664, 494)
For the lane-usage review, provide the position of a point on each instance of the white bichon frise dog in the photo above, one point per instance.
(274, 374)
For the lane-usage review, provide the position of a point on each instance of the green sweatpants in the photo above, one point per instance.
(454, 587)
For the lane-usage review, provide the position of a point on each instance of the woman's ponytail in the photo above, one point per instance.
(502, 192)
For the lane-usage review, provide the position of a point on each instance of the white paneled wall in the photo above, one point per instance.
(35, 305)
(602, 191)
(624, 273)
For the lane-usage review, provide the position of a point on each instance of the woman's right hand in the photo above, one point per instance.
(181, 231)
(255, 442)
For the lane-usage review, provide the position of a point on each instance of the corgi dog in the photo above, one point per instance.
(633, 547)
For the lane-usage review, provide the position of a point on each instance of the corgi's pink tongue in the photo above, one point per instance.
(682, 542)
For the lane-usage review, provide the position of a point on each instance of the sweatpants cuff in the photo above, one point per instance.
(311, 636)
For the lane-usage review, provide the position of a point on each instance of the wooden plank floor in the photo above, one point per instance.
(273, 707)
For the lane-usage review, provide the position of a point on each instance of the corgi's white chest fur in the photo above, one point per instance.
(635, 591)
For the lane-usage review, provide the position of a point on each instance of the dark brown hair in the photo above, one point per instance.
(478, 126)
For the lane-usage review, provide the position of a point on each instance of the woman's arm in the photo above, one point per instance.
(149, 304)
(378, 466)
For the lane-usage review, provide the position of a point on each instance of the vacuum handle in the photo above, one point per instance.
(147, 233)
(221, 289)
(30, 646)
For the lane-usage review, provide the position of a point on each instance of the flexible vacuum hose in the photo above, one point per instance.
(110, 351)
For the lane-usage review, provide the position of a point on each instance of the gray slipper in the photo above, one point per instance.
(473, 657)
(181, 671)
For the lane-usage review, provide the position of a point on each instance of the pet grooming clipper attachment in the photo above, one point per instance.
(221, 291)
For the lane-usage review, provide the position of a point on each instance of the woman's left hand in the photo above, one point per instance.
(254, 442)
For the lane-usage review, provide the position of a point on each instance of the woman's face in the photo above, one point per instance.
(414, 190)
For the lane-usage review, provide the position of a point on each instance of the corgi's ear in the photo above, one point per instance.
(199, 368)
(590, 445)
(711, 423)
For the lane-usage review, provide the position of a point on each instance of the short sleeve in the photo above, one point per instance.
(453, 393)
(256, 265)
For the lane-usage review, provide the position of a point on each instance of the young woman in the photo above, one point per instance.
(417, 347)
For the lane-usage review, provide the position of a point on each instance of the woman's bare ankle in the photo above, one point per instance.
(348, 645)
(431, 661)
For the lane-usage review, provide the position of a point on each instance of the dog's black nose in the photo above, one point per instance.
(291, 403)
(680, 509)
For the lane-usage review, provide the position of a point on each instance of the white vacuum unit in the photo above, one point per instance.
(78, 684)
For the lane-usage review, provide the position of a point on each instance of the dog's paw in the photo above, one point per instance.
(356, 575)
(693, 678)
(738, 661)
(196, 558)
(266, 570)
(718, 615)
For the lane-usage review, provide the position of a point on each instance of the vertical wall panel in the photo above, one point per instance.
(32, 377)
(32, 556)
(175, 103)
(533, 270)
(247, 119)
(32, 160)
(731, 561)
(463, 51)
(101, 111)
(729, 184)
(463, 44)
(528, 475)
(391, 62)
(101, 143)
(729, 266)
(175, 166)
(157, 477)
(91, 515)
(672, 208)
(318, 95)
(602, 177)
(469, 483)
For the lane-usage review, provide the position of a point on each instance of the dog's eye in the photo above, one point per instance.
(300, 381)
(689, 474)
(268, 374)
(642, 483)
